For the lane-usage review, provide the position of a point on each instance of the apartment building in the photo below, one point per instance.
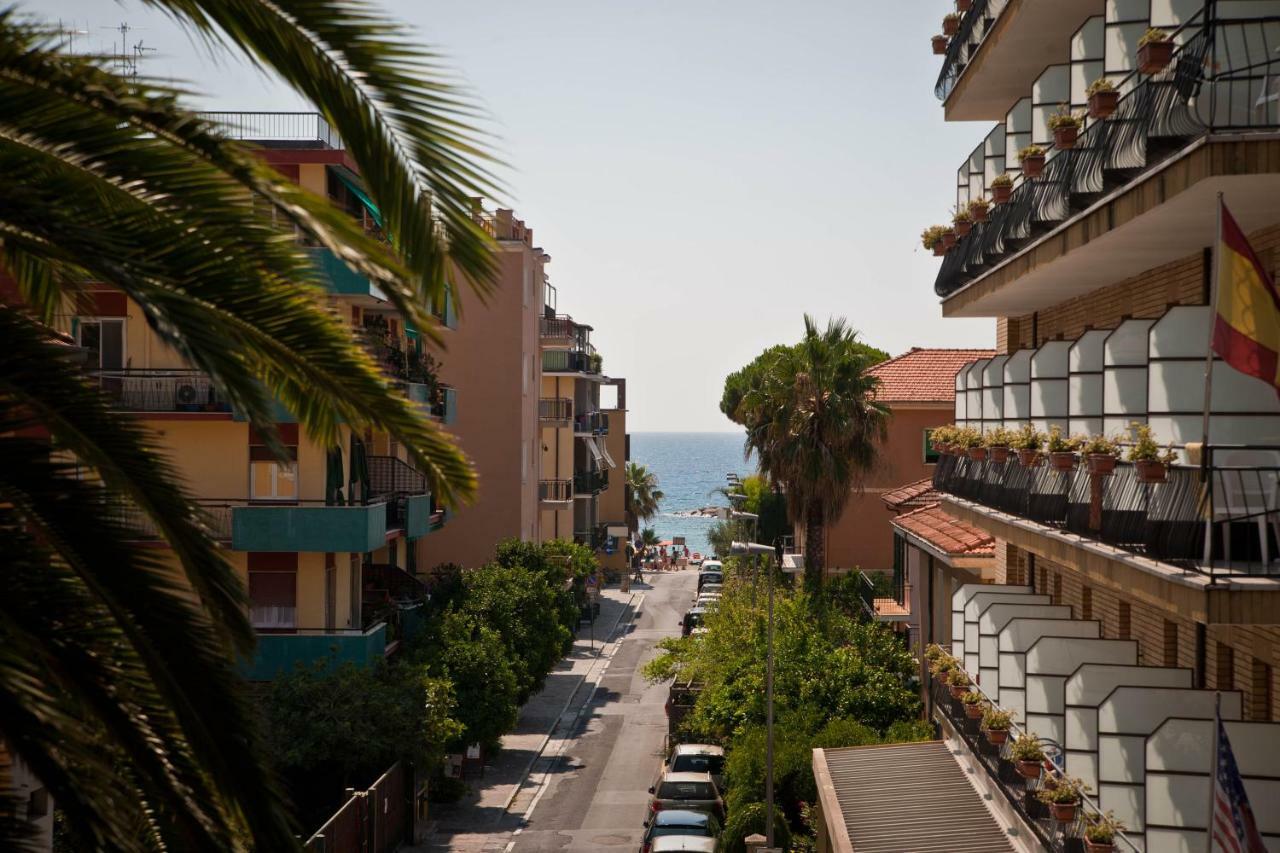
(1119, 609)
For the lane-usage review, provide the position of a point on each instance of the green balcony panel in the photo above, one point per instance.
(417, 516)
(338, 278)
(450, 404)
(327, 529)
(278, 654)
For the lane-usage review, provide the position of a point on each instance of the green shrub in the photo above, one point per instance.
(748, 820)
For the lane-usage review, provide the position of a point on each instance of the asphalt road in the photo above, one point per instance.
(592, 791)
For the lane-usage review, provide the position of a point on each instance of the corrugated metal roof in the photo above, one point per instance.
(911, 796)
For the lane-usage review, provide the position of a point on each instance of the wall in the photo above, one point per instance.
(861, 537)
(613, 506)
(555, 453)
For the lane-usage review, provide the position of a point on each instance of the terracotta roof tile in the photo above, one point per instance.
(923, 375)
(945, 532)
(912, 495)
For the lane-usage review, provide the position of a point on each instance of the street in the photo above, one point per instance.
(587, 787)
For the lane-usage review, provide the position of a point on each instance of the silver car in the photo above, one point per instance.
(696, 791)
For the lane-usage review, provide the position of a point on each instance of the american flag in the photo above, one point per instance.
(1234, 829)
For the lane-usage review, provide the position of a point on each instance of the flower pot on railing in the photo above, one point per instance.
(1103, 104)
(1150, 471)
(1063, 812)
(1098, 846)
(1155, 56)
(978, 454)
(1064, 138)
(1063, 460)
(978, 212)
(939, 248)
(963, 6)
(1033, 166)
(958, 690)
(974, 711)
(1001, 193)
(940, 45)
(997, 737)
(1029, 769)
(1101, 463)
(999, 455)
(1029, 458)
(951, 25)
(963, 228)
(948, 239)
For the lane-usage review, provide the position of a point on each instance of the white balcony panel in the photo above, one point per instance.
(992, 622)
(1019, 636)
(973, 610)
(1087, 47)
(993, 393)
(960, 598)
(1178, 755)
(1052, 660)
(1124, 377)
(1049, 401)
(1084, 382)
(1051, 89)
(1125, 718)
(1017, 133)
(993, 163)
(962, 378)
(973, 392)
(1017, 388)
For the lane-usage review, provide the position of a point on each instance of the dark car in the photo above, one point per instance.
(679, 822)
(705, 578)
(692, 619)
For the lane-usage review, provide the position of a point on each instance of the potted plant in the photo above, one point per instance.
(978, 209)
(1100, 452)
(942, 668)
(1155, 51)
(1028, 441)
(1103, 98)
(964, 5)
(931, 238)
(1032, 160)
(962, 221)
(1062, 795)
(942, 438)
(1150, 465)
(934, 652)
(1001, 188)
(1065, 127)
(996, 723)
(974, 705)
(1100, 832)
(959, 683)
(998, 441)
(965, 440)
(940, 43)
(948, 237)
(1062, 449)
(951, 24)
(1027, 755)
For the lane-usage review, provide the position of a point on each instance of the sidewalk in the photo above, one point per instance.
(475, 823)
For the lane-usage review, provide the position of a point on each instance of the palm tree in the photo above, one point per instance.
(645, 497)
(813, 422)
(118, 683)
(649, 538)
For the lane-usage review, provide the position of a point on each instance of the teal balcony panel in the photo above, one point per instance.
(450, 404)
(326, 529)
(417, 516)
(338, 278)
(278, 654)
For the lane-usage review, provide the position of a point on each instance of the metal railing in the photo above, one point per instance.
(562, 326)
(391, 475)
(555, 490)
(217, 519)
(965, 44)
(591, 423)
(1222, 78)
(1232, 502)
(295, 127)
(567, 361)
(590, 482)
(1055, 835)
(161, 390)
(555, 409)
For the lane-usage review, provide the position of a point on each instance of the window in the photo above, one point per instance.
(273, 591)
(1260, 688)
(272, 480)
(104, 339)
(930, 453)
(686, 791)
(697, 764)
(1122, 629)
(1226, 667)
(1170, 643)
(1086, 602)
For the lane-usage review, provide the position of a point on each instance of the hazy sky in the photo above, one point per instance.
(702, 172)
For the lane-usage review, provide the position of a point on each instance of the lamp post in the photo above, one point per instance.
(755, 549)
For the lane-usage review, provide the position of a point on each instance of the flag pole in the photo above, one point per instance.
(1213, 771)
(1205, 471)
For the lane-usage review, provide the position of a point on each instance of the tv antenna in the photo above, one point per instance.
(127, 58)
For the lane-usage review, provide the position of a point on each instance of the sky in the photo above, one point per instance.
(702, 172)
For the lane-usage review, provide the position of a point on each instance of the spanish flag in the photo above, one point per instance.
(1246, 330)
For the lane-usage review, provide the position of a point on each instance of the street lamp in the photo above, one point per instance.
(755, 549)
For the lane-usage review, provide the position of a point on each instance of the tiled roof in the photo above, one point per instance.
(912, 495)
(905, 796)
(923, 375)
(945, 532)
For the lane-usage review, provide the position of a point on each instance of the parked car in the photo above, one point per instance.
(679, 823)
(705, 577)
(712, 588)
(707, 600)
(692, 619)
(712, 566)
(697, 758)
(694, 791)
(684, 842)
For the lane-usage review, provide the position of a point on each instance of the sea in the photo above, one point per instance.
(689, 467)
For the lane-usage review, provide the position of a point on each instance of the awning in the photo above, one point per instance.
(594, 450)
(604, 451)
(353, 183)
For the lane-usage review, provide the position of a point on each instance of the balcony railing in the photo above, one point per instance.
(300, 129)
(555, 491)
(566, 361)
(1019, 791)
(561, 327)
(591, 423)
(1220, 79)
(555, 409)
(161, 390)
(590, 482)
(217, 516)
(974, 26)
(1233, 500)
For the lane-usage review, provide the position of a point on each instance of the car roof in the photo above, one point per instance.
(698, 749)
(687, 777)
(701, 843)
(697, 610)
(681, 817)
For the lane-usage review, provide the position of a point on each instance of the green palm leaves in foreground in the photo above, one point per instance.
(117, 668)
(645, 495)
(812, 420)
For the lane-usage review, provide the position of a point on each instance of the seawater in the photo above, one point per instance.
(690, 466)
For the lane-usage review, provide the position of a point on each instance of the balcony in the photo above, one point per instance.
(217, 516)
(1000, 48)
(591, 423)
(339, 279)
(188, 391)
(555, 409)
(555, 491)
(560, 331)
(590, 483)
(1137, 189)
(1236, 491)
(573, 363)
(311, 526)
(278, 129)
